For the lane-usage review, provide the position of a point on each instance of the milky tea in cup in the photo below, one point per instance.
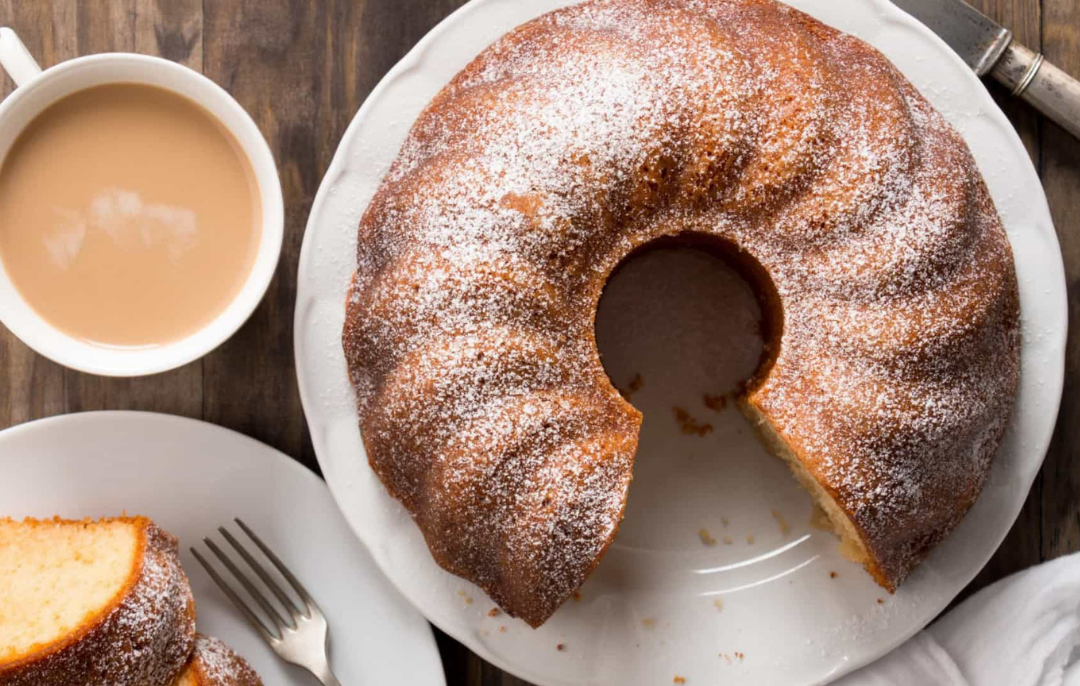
(129, 216)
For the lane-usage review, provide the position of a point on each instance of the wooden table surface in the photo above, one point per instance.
(302, 68)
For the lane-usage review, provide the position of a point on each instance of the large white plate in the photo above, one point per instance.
(191, 477)
(648, 613)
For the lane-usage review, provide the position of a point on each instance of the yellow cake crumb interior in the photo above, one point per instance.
(56, 574)
(851, 543)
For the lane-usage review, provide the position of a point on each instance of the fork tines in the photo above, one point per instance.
(297, 635)
(279, 624)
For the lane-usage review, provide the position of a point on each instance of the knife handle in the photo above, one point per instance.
(1044, 86)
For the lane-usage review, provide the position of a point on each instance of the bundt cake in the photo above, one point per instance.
(740, 126)
(92, 603)
(213, 663)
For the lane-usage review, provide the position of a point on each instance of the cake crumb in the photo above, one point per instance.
(678, 679)
(706, 537)
(690, 425)
(494, 612)
(880, 601)
(576, 595)
(832, 575)
(466, 598)
(784, 526)
(715, 403)
(502, 629)
(728, 540)
(740, 656)
(719, 604)
(648, 622)
(560, 647)
(750, 539)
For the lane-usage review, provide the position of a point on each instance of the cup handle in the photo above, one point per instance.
(16, 59)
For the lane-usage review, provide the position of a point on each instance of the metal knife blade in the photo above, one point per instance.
(975, 37)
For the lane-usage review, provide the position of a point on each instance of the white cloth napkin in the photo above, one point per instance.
(1022, 631)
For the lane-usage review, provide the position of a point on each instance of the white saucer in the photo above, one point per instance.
(190, 477)
(648, 613)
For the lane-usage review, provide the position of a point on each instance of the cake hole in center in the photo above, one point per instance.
(678, 319)
(680, 330)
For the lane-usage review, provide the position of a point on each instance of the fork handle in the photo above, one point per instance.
(326, 676)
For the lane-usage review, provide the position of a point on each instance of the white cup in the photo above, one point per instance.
(36, 90)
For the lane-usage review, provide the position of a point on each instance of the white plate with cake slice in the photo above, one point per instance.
(191, 477)
(719, 573)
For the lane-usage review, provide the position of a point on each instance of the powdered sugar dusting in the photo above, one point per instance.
(596, 129)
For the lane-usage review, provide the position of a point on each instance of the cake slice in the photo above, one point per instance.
(92, 603)
(215, 664)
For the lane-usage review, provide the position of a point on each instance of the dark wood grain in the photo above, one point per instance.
(302, 69)
(267, 54)
(1061, 177)
(32, 387)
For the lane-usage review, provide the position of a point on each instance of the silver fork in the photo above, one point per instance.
(300, 640)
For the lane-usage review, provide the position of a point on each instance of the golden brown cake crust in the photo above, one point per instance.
(141, 638)
(213, 663)
(597, 129)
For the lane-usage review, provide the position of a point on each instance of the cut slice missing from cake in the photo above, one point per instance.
(213, 663)
(89, 603)
(834, 517)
